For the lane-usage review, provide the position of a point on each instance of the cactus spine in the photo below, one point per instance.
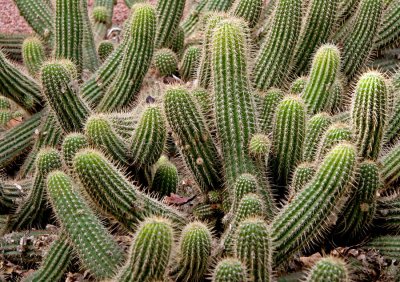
(316, 127)
(229, 270)
(329, 269)
(33, 55)
(270, 103)
(190, 62)
(136, 59)
(166, 178)
(369, 112)
(90, 240)
(150, 252)
(306, 218)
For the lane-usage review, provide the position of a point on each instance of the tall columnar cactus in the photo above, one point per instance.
(190, 62)
(254, 248)
(314, 32)
(316, 127)
(33, 55)
(150, 137)
(249, 10)
(136, 59)
(389, 29)
(307, 217)
(69, 32)
(288, 136)
(369, 111)
(387, 245)
(329, 269)
(388, 214)
(70, 111)
(270, 102)
(190, 23)
(55, 263)
(150, 252)
(166, 178)
(392, 130)
(358, 44)
(90, 60)
(72, 143)
(194, 252)
(359, 211)
(219, 5)
(105, 49)
(169, 13)
(166, 62)
(297, 87)
(114, 194)
(234, 105)
(195, 141)
(229, 270)
(177, 43)
(303, 174)
(20, 88)
(336, 133)
(90, 240)
(271, 68)
(325, 67)
(391, 165)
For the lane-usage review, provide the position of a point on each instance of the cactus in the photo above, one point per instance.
(270, 102)
(392, 130)
(169, 13)
(388, 31)
(90, 60)
(55, 262)
(100, 134)
(390, 162)
(177, 43)
(229, 270)
(259, 148)
(335, 134)
(297, 87)
(166, 178)
(388, 246)
(150, 137)
(219, 5)
(234, 106)
(306, 218)
(70, 111)
(254, 248)
(324, 69)
(203, 99)
(190, 23)
(288, 138)
(114, 194)
(136, 59)
(189, 63)
(388, 214)
(104, 50)
(271, 62)
(96, 248)
(329, 269)
(369, 110)
(336, 97)
(358, 44)
(72, 143)
(194, 252)
(11, 44)
(314, 33)
(69, 32)
(195, 141)
(249, 10)
(150, 252)
(166, 62)
(20, 88)
(33, 55)
(316, 127)
(303, 173)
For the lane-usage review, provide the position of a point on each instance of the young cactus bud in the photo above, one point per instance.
(303, 173)
(190, 62)
(195, 141)
(307, 217)
(336, 133)
(297, 87)
(249, 10)
(259, 146)
(91, 241)
(329, 269)
(73, 143)
(316, 127)
(100, 15)
(104, 50)
(270, 102)
(229, 270)
(194, 252)
(325, 67)
(391, 165)
(150, 252)
(166, 62)
(271, 67)
(70, 111)
(33, 55)
(253, 248)
(288, 137)
(166, 178)
(368, 114)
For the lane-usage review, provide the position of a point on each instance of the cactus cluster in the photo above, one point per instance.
(209, 140)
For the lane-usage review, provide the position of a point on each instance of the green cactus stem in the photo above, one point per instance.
(316, 127)
(165, 179)
(391, 165)
(90, 60)
(298, 85)
(308, 216)
(190, 62)
(329, 269)
(392, 130)
(33, 55)
(219, 5)
(249, 10)
(177, 43)
(336, 133)
(73, 143)
(104, 50)
(270, 102)
(11, 44)
(229, 270)
(389, 29)
(388, 246)
(95, 247)
(388, 214)
(303, 173)
(190, 23)
(166, 62)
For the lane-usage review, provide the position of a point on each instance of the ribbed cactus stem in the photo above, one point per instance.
(315, 129)
(219, 5)
(166, 62)
(303, 173)
(190, 23)
(135, 61)
(271, 67)
(336, 133)
(270, 102)
(194, 252)
(195, 141)
(388, 214)
(190, 62)
(297, 87)
(391, 165)
(288, 136)
(95, 247)
(329, 269)
(229, 270)
(177, 43)
(62, 97)
(33, 55)
(73, 143)
(150, 252)
(90, 60)
(324, 69)
(389, 29)
(306, 218)
(249, 10)
(104, 50)
(387, 245)
(166, 178)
